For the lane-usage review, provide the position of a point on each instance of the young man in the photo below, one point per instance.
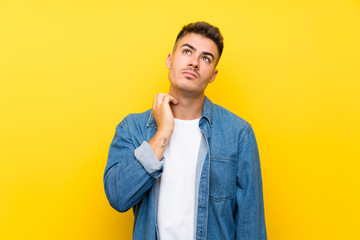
(189, 168)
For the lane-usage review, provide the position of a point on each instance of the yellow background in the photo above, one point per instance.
(71, 70)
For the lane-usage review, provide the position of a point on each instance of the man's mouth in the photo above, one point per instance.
(190, 74)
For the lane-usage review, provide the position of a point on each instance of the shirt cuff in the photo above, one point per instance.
(145, 155)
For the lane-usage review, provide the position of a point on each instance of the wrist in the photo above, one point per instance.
(159, 142)
(165, 132)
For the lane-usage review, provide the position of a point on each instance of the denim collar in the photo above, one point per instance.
(208, 110)
(207, 113)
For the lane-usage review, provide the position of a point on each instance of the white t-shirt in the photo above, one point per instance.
(175, 216)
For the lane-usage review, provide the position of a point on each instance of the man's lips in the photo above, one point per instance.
(190, 74)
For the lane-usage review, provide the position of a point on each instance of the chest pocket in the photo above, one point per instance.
(222, 178)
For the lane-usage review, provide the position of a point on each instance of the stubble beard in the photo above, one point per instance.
(185, 90)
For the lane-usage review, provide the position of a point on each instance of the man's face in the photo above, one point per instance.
(192, 64)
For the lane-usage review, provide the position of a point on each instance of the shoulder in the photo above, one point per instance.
(232, 126)
(225, 117)
(136, 119)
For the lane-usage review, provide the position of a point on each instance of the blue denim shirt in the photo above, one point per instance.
(229, 198)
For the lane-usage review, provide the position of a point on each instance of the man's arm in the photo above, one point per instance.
(125, 178)
(130, 172)
(249, 217)
(164, 118)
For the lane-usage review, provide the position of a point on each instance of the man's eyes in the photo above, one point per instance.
(206, 59)
(186, 51)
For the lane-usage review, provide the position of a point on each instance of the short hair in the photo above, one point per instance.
(205, 29)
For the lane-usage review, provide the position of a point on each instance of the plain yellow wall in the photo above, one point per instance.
(71, 70)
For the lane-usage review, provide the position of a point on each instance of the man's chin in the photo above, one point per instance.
(190, 92)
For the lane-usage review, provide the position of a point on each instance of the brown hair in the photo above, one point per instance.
(205, 29)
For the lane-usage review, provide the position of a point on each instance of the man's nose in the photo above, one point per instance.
(194, 63)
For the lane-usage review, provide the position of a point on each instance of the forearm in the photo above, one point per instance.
(159, 143)
(164, 118)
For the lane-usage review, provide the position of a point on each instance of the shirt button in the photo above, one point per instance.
(200, 233)
(202, 202)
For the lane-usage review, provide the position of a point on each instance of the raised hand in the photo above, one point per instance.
(164, 118)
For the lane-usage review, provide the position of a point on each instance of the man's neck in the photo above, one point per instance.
(188, 108)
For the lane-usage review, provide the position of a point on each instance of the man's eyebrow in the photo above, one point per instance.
(208, 53)
(191, 47)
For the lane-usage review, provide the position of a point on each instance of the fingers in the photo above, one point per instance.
(158, 100)
(172, 99)
(162, 98)
(162, 112)
(167, 100)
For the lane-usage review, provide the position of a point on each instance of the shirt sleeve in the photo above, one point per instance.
(249, 216)
(128, 177)
(145, 155)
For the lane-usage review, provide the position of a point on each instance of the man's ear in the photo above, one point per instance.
(168, 60)
(212, 78)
